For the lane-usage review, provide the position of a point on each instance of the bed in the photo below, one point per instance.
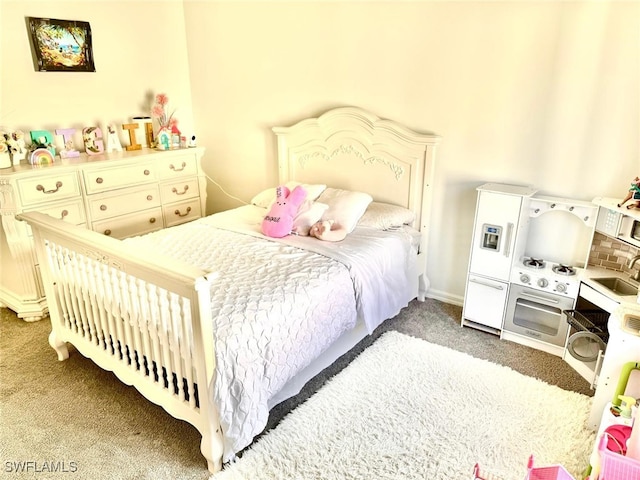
(217, 323)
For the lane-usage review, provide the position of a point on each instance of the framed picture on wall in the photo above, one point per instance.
(61, 45)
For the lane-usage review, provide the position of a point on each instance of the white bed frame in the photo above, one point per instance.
(141, 337)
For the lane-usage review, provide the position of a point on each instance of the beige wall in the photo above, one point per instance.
(544, 93)
(139, 50)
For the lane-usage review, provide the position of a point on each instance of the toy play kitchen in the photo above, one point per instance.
(526, 257)
(528, 279)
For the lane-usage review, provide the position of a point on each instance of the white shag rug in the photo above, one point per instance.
(408, 409)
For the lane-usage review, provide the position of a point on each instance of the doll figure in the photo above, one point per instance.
(634, 193)
(20, 152)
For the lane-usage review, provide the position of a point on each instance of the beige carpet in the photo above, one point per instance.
(73, 411)
(72, 415)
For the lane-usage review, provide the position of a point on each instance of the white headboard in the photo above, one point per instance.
(354, 149)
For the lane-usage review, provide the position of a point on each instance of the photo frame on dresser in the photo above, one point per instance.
(61, 45)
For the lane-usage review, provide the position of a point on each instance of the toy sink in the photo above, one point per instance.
(617, 285)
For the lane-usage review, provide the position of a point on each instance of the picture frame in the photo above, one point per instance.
(61, 45)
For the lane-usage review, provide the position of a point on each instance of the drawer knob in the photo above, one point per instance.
(103, 207)
(63, 214)
(175, 190)
(172, 167)
(177, 212)
(40, 188)
(147, 172)
(149, 197)
(152, 220)
(99, 180)
(107, 232)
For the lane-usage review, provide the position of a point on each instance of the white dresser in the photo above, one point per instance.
(120, 194)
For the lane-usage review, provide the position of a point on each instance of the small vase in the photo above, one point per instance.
(163, 138)
(5, 160)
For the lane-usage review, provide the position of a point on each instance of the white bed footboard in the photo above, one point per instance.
(145, 317)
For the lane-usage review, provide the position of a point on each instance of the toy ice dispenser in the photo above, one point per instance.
(491, 236)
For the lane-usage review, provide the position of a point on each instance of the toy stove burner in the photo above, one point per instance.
(533, 263)
(554, 278)
(564, 270)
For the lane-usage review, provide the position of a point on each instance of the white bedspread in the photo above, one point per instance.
(278, 304)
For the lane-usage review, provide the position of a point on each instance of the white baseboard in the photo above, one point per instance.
(445, 297)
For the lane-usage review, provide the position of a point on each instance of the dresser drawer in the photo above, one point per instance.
(71, 211)
(131, 225)
(181, 212)
(174, 166)
(99, 180)
(48, 188)
(179, 190)
(122, 202)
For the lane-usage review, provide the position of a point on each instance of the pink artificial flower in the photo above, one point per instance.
(157, 111)
(162, 99)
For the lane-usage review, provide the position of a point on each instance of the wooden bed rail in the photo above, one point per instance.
(142, 315)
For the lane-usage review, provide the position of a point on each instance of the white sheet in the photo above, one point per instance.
(277, 305)
(382, 264)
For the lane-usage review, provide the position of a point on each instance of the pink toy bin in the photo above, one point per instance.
(554, 472)
(614, 466)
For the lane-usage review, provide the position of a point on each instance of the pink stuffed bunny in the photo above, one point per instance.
(279, 220)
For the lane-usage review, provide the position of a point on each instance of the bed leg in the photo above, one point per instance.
(59, 346)
(214, 467)
(423, 286)
(213, 464)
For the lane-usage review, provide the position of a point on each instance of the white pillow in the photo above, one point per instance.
(308, 214)
(265, 198)
(345, 206)
(385, 216)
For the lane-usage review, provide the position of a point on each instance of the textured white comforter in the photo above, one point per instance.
(278, 304)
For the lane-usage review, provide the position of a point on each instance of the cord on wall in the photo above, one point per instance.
(224, 191)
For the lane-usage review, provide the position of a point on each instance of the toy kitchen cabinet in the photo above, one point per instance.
(120, 194)
(499, 233)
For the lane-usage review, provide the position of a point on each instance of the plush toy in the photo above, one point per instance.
(328, 230)
(278, 222)
(634, 192)
(308, 214)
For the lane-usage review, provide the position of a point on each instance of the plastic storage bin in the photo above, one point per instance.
(554, 472)
(614, 466)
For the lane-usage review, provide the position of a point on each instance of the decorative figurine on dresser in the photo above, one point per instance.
(120, 194)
